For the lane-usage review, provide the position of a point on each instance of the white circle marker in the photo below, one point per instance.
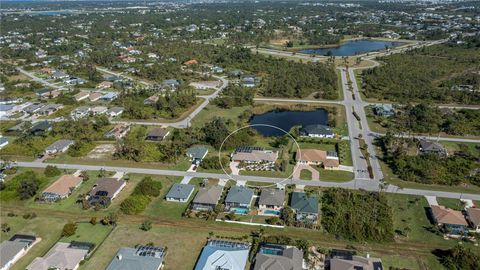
(230, 177)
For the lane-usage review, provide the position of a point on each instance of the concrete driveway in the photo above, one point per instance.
(298, 169)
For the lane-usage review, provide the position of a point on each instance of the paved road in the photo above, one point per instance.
(122, 75)
(433, 138)
(37, 79)
(300, 100)
(370, 185)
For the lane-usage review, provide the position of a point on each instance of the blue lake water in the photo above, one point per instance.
(51, 12)
(286, 120)
(354, 47)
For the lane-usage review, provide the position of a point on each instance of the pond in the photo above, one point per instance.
(286, 120)
(354, 47)
(51, 12)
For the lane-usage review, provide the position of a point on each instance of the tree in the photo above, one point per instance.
(93, 220)
(287, 215)
(69, 229)
(5, 227)
(273, 220)
(146, 225)
(85, 176)
(27, 188)
(51, 171)
(110, 219)
(459, 258)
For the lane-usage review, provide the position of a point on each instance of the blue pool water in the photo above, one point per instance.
(354, 47)
(271, 251)
(241, 211)
(271, 212)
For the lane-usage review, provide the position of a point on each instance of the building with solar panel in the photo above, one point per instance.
(141, 258)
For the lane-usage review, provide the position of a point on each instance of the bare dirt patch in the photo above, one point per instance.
(102, 151)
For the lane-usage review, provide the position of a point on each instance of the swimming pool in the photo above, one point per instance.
(241, 211)
(271, 251)
(271, 212)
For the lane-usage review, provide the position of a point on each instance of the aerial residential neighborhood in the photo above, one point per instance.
(239, 135)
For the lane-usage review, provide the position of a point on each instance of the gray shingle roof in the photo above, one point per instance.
(291, 258)
(303, 203)
(59, 145)
(209, 195)
(10, 249)
(241, 195)
(272, 197)
(180, 191)
(197, 152)
(317, 129)
(137, 259)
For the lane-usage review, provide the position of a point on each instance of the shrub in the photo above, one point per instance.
(148, 187)
(93, 221)
(146, 225)
(27, 189)
(69, 229)
(51, 171)
(134, 204)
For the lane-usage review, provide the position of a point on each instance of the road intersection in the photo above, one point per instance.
(358, 131)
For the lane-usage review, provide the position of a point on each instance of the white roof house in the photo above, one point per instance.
(218, 254)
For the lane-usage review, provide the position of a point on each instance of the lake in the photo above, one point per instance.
(286, 120)
(354, 47)
(51, 12)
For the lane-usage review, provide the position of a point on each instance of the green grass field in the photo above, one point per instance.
(335, 176)
(87, 232)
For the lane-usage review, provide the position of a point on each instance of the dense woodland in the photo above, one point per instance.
(359, 216)
(430, 119)
(403, 157)
(428, 73)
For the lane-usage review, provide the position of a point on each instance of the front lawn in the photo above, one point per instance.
(334, 176)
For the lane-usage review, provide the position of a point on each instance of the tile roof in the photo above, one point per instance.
(474, 215)
(446, 215)
(64, 184)
(60, 256)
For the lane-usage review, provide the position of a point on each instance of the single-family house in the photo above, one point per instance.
(452, 221)
(383, 110)
(254, 155)
(329, 159)
(99, 110)
(140, 257)
(81, 112)
(305, 207)
(248, 82)
(197, 153)
(180, 192)
(353, 263)
(430, 147)
(207, 198)
(49, 109)
(6, 110)
(271, 202)
(64, 256)
(59, 146)
(190, 62)
(239, 200)
(151, 100)
(73, 81)
(41, 128)
(172, 84)
(62, 188)
(473, 217)
(33, 108)
(81, 96)
(221, 254)
(105, 190)
(94, 96)
(157, 134)
(3, 142)
(114, 111)
(204, 85)
(13, 249)
(57, 75)
(105, 84)
(48, 93)
(109, 96)
(119, 131)
(317, 131)
(273, 257)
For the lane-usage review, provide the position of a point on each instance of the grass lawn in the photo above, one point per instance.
(161, 208)
(334, 176)
(86, 232)
(305, 175)
(46, 228)
(182, 164)
(211, 111)
(451, 203)
(285, 174)
(184, 245)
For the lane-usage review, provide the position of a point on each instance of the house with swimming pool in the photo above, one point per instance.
(239, 200)
(273, 257)
(271, 202)
(305, 207)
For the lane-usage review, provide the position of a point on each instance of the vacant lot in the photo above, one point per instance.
(86, 232)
